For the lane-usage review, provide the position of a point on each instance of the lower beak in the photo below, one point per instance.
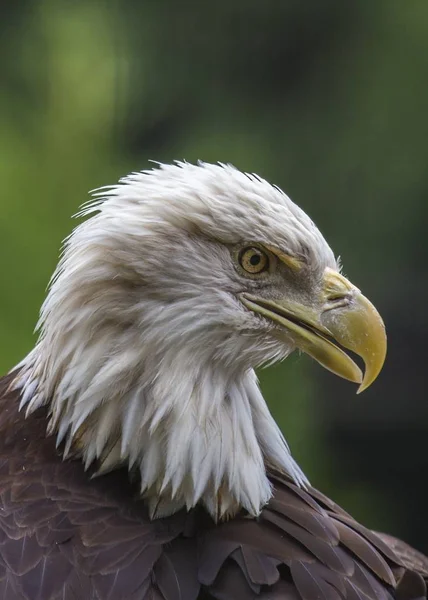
(344, 316)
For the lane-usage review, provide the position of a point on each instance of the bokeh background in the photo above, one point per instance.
(328, 100)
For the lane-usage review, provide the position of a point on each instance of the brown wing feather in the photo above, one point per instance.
(319, 552)
(64, 536)
(411, 558)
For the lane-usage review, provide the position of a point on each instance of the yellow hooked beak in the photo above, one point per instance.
(340, 314)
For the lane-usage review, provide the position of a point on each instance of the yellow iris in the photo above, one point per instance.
(254, 260)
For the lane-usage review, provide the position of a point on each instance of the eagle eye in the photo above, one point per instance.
(253, 260)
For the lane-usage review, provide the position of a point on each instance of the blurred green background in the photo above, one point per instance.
(326, 99)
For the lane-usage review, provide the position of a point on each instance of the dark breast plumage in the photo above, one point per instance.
(64, 536)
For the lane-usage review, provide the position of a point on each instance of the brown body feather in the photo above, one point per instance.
(64, 536)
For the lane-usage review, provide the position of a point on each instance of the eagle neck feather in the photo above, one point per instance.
(194, 434)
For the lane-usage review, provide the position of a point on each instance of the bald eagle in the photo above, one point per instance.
(138, 457)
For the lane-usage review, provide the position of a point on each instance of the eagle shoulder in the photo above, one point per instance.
(65, 536)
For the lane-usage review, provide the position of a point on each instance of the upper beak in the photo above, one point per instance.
(340, 314)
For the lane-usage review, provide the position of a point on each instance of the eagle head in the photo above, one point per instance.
(182, 280)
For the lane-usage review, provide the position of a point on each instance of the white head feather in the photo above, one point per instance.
(146, 353)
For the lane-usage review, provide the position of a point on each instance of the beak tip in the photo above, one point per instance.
(369, 378)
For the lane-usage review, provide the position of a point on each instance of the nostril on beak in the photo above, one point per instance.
(337, 291)
(337, 296)
(337, 300)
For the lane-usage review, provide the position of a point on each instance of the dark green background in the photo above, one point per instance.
(328, 99)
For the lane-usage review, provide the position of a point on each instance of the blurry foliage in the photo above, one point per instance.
(326, 99)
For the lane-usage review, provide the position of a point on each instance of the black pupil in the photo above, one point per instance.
(255, 259)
